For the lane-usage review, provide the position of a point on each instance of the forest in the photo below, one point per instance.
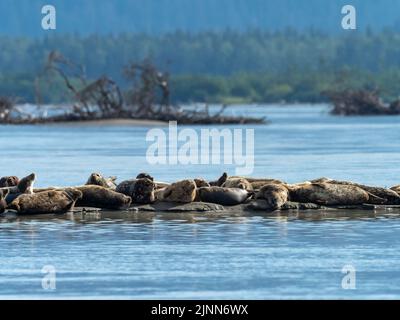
(217, 66)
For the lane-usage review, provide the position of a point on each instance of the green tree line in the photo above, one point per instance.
(228, 66)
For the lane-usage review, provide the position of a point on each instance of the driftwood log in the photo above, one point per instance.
(360, 102)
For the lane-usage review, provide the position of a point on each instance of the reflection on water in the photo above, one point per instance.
(177, 255)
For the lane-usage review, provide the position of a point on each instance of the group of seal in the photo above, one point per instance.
(259, 193)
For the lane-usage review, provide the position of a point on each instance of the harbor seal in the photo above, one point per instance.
(183, 191)
(275, 195)
(382, 195)
(25, 186)
(143, 191)
(201, 183)
(100, 197)
(144, 175)
(3, 202)
(240, 183)
(97, 179)
(223, 196)
(328, 194)
(46, 202)
(126, 186)
(10, 181)
(258, 183)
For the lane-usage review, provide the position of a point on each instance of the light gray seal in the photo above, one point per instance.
(223, 196)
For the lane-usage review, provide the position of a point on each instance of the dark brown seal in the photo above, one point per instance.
(10, 181)
(143, 191)
(144, 175)
(100, 197)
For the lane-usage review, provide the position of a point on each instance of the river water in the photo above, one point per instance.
(168, 256)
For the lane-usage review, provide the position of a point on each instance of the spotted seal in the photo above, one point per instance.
(143, 191)
(258, 183)
(275, 195)
(201, 183)
(241, 183)
(329, 194)
(54, 201)
(183, 191)
(382, 195)
(97, 179)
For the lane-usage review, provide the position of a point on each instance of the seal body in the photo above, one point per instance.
(327, 194)
(126, 187)
(182, 191)
(396, 189)
(141, 190)
(223, 196)
(11, 181)
(258, 183)
(3, 202)
(378, 195)
(46, 202)
(275, 195)
(100, 197)
(240, 183)
(97, 179)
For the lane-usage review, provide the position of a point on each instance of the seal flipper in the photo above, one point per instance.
(220, 181)
(11, 197)
(14, 206)
(373, 199)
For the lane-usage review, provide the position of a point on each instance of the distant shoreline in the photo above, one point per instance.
(108, 122)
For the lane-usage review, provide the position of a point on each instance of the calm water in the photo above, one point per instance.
(127, 255)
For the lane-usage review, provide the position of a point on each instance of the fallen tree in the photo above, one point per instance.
(6, 107)
(147, 99)
(360, 102)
